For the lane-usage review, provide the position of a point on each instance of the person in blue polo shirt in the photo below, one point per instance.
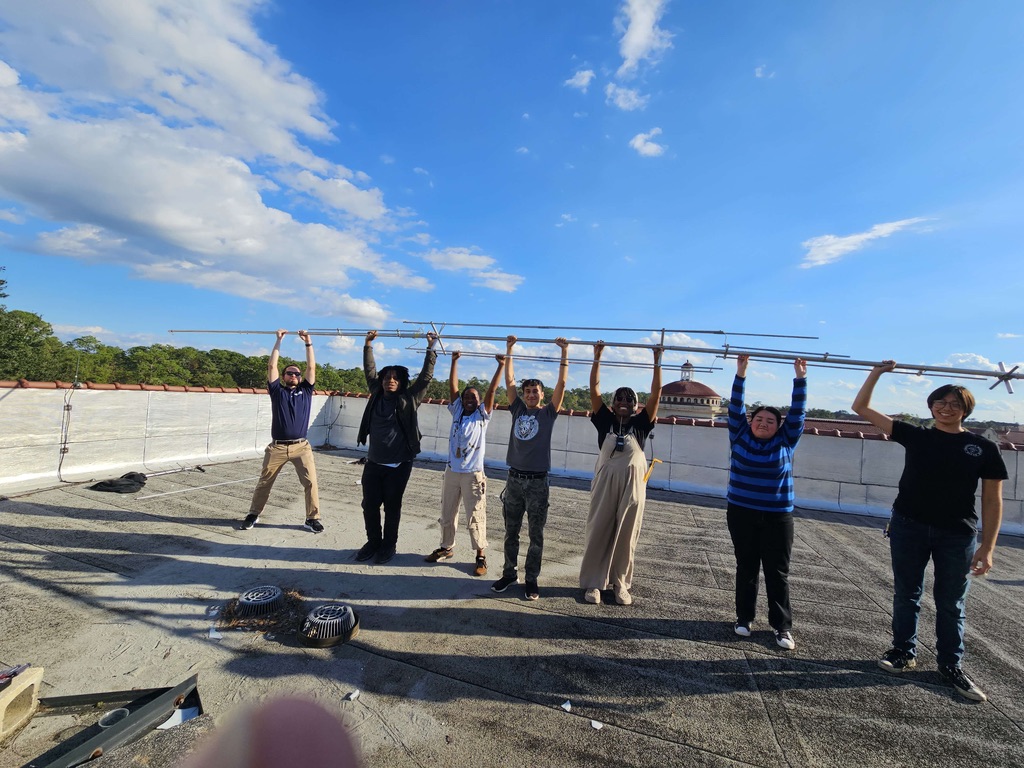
(760, 501)
(291, 402)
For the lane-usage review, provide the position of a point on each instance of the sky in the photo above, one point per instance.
(849, 172)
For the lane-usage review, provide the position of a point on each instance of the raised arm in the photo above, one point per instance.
(511, 393)
(652, 402)
(862, 403)
(419, 387)
(493, 388)
(272, 373)
(595, 379)
(453, 377)
(737, 410)
(563, 374)
(991, 519)
(369, 365)
(310, 374)
(794, 424)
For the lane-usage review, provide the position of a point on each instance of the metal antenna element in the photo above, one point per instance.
(825, 360)
(594, 328)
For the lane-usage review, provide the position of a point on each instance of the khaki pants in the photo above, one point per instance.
(274, 458)
(471, 489)
(617, 497)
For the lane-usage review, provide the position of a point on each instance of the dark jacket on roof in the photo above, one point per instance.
(409, 397)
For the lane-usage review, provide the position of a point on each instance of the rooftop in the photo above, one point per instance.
(111, 591)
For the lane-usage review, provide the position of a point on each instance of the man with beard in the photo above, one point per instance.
(291, 403)
(390, 424)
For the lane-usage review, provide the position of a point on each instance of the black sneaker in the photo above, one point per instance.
(367, 551)
(532, 592)
(503, 583)
(962, 683)
(314, 525)
(384, 554)
(897, 661)
(249, 522)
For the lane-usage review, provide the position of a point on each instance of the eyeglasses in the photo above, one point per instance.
(293, 373)
(952, 405)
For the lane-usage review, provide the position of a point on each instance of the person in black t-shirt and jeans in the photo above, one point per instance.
(934, 518)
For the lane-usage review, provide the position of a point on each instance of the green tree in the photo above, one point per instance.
(23, 339)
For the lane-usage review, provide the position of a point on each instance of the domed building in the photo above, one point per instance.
(690, 398)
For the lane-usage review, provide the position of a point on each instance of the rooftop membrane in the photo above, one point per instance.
(109, 592)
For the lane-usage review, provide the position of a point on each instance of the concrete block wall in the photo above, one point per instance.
(110, 432)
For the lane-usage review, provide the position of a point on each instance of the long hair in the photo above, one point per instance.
(400, 372)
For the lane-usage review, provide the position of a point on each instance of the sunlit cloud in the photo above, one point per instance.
(581, 80)
(644, 146)
(642, 40)
(826, 249)
(626, 99)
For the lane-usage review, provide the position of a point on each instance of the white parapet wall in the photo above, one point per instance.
(70, 435)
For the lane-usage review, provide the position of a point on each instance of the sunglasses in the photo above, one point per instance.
(293, 373)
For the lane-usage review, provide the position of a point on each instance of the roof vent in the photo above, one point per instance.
(328, 625)
(260, 601)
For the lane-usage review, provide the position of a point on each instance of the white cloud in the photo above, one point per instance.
(421, 171)
(479, 266)
(498, 281)
(626, 99)
(526, 115)
(12, 216)
(644, 146)
(642, 39)
(522, 150)
(761, 72)
(565, 218)
(826, 249)
(971, 361)
(74, 331)
(1010, 335)
(581, 80)
(387, 159)
(167, 132)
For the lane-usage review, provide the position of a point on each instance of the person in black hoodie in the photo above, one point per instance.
(390, 425)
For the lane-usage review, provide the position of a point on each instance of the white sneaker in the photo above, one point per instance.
(622, 596)
(784, 639)
(741, 629)
(593, 596)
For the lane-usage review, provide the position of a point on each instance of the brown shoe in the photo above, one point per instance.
(481, 566)
(438, 555)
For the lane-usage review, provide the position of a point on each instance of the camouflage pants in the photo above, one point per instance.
(530, 498)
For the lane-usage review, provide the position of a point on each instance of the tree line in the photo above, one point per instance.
(31, 351)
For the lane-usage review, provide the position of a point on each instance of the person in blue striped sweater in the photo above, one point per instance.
(760, 497)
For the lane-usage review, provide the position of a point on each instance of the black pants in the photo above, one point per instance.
(762, 540)
(383, 485)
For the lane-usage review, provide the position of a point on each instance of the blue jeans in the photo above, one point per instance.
(911, 545)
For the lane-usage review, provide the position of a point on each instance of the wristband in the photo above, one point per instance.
(309, 345)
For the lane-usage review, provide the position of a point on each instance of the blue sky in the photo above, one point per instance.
(846, 171)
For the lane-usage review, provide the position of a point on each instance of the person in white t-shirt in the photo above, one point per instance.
(464, 478)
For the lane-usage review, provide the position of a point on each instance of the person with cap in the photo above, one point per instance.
(464, 478)
(618, 490)
(934, 517)
(529, 460)
(761, 500)
(391, 427)
(291, 404)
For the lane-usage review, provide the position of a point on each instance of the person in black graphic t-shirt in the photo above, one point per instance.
(934, 518)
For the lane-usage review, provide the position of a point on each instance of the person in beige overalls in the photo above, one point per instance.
(618, 490)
